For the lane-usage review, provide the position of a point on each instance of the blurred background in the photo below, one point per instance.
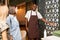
(50, 9)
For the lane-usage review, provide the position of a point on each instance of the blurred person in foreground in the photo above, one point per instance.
(3, 16)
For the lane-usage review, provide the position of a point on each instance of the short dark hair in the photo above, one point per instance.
(12, 10)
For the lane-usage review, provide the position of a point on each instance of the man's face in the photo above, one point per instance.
(34, 7)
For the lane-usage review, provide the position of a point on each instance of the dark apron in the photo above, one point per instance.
(33, 31)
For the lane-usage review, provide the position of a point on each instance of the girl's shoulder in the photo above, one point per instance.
(10, 16)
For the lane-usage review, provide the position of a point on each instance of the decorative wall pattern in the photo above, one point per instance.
(52, 14)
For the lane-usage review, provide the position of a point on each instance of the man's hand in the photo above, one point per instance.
(49, 23)
(52, 24)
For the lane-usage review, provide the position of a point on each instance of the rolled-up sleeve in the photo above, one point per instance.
(39, 15)
(28, 15)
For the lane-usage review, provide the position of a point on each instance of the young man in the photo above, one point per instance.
(32, 16)
(13, 24)
(3, 25)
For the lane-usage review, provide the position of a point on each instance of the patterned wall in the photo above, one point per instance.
(52, 14)
(50, 10)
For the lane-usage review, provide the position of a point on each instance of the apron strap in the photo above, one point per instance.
(36, 13)
(31, 13)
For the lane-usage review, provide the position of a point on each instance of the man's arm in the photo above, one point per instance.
(44, 20)
(47, 22)
(26, 24)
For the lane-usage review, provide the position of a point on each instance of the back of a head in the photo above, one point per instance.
(12, 10)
